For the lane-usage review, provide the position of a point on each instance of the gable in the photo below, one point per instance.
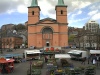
(47, 21)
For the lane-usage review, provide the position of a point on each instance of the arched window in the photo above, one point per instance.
(47, 30)
(47, 33)
(61, 11)
(32, 12)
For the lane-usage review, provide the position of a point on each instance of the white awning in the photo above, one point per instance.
(32, 51)
(75, 52)
(94, 51)
(62, 56)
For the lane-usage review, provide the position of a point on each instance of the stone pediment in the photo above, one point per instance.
(47, 21)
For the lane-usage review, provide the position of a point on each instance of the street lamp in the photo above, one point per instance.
(30, 67)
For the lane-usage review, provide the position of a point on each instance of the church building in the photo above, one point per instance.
(47, 32)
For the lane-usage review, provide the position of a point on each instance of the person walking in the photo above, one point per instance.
(94, 61)
(46, 59)
(4, 69)
(88, 59)
(83, 60)
(97, 58)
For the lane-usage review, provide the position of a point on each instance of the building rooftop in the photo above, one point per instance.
(92, 21)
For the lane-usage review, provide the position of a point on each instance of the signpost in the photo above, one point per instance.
(30, 67)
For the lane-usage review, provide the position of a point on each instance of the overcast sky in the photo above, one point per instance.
(79, 11)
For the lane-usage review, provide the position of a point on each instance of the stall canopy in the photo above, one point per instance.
(32, 51)
(10, 60)
(94, 51)
(62, 56)
(12, 55)
(75, 52)
(3, 60)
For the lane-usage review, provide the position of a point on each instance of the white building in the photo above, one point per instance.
(90, 39)
(93, 26)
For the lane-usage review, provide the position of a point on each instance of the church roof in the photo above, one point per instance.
(61, 3)
(47, 19)
(12, 34)
(34, 3)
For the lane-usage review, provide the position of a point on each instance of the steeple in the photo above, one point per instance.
(60, 3)
(33, 12)
(61, 12)
(34, 3)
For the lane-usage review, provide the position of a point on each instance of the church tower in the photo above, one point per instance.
(33, 18)
(61, 12)
(61, 18)
(33, 13)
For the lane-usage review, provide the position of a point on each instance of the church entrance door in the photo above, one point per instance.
(47, 44)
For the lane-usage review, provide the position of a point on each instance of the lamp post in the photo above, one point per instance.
(30, 67)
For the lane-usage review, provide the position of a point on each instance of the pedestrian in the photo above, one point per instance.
(15, 48)
(23, 60)
(83, 60)
(46, 59)
(23, 55)
(97, 58)
(89, 57)
(93, 61)
(11, 67)
(72, 66)
(50, 56)
(4, 69)
(99, 61)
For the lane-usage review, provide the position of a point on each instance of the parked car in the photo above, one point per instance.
(77, 54)
(42, 49)
(31, 47)
(73, 46)
(67, 46)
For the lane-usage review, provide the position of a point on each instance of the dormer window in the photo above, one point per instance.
(61, 11)
(32, 12)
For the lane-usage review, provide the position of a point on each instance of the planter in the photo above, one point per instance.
(36, 71)
(65, 63)
(59, 72)
(37, 64)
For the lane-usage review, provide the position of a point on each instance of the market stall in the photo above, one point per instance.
(36, 67)
(77, 54)
(37, 64)
(95, 52)
(32, 54)
(63, 59)
(16, 57)
(62, 56)
(59, 71)
(6, 65)
(51, 51)
(51, 64)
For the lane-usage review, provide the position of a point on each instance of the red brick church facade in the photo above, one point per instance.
(47, 32)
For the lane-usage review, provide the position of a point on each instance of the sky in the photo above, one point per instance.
(79, 11)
